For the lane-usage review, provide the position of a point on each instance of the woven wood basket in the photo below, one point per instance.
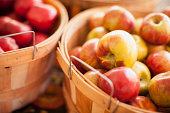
(75, 6)
(87, 97)
(22, 78)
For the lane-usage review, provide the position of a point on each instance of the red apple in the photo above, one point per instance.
(118, 18)
(1, 50)
(6, 6)
(76, 52)
(88, 53)
(39, 37)
(166, 11)
(8, 44)
(12, 15)
(154, 48)
(155, 29)
(159, 62)
(117, 48)
(125, 81)
(96, 20)
(21, 7)
(93, 77)
(143, 103)
(42, 17)
(159, 89)
(10, 26)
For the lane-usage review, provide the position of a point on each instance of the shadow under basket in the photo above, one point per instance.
(87, 97)
(22, 77)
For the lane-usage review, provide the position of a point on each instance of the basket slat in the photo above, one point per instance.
(5, 76)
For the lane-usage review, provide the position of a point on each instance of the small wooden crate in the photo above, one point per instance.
(22, 78)
(87, 97)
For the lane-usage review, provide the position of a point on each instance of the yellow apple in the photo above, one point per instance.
(145, 76)
(141, 46)
(138, 23)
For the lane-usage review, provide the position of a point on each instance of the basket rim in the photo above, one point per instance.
(51, 40)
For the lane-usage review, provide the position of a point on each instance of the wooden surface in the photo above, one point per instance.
(79, 87)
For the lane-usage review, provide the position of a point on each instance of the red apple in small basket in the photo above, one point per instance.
(21, 7)
(159, 62)
(39, 37)
(42, 17)
(118, 18)
(155, 29)
(143, 103)
(76, 52)
(8, 44)
(125, 81)
(88, 53)
(117, 48)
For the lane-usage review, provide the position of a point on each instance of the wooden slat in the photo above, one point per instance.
(83, 103)
(97, 108)
(73, 92)
(5, 79)
(5, 106)
(18, 76)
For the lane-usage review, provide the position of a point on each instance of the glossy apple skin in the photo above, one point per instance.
(125, 81)
(76, 52)
(155, 29)
(97, 32)
(143, 103)
(36, 15)
(21, 7)
(118, 18)
(93, 77)
(144, 74)
(8, 44)
(117, 48)
(141, 46)
(138, 23)
(166, 11)
(159, 89)
(88, 53)
(96, 20)
(155, 48)
(39, 37)
(10, 26)
(159, 62)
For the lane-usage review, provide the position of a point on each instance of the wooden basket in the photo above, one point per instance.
(76, 6)
(87, 97)
(21, 77)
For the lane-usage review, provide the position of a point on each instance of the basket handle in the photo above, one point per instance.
(14, 34)
(100, 74)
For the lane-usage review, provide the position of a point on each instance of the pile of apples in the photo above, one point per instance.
(132, 53)
(25, 15)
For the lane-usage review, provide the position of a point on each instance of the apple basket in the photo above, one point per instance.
(24, 73)
(86, 96)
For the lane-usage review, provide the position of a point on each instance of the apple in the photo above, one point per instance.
(117, 48)
(96, 20)
(168, 47)
(6, 6)
(97, 32)
(154, 48)
(166, 11)
(141, 46)
(8, 44)
(144, 74)
(10, 26)
(125, 81)
(155, 29)
(159, 89)
(76, 52)
(93, 77)
(159, 62)
(88, 53)
(42, 17)
(21, 7)
(12, 15)
(39, 37)
(118, 18)
(138, 23)
(1, 50)
(143, 103)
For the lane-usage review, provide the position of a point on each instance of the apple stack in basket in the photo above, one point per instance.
(132, 53)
